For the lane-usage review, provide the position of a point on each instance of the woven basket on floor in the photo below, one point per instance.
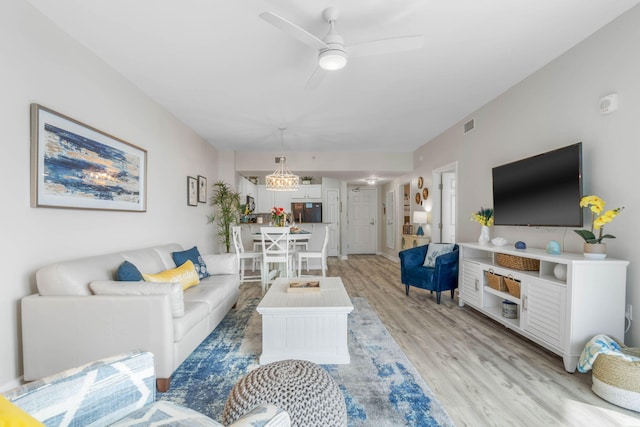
(495, 281)
(617, 380)
(517, 262)
(513, 286)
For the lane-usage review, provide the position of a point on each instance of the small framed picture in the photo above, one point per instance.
(192, 191)
(407, 229)
(202, 189)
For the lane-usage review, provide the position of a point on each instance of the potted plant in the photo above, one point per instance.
(306, 179)
(226, 204)
(593, 246)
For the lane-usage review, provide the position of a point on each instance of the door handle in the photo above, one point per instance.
(372, 222)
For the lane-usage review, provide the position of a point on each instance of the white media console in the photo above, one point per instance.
(560, 315)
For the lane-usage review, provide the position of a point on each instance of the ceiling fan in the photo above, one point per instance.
(332, 52)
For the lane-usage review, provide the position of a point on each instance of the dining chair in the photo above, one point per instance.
(255, 257)
(306, 255)
(276, 249)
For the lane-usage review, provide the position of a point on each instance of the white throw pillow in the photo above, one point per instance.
(434, 251)
(174, 290)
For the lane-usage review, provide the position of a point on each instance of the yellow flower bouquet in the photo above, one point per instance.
(598, 219)
(483, 216)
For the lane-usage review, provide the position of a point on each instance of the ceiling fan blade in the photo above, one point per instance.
(316, 78)
(293, 30)
(385, 46)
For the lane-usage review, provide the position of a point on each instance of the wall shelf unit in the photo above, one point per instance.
(560, 315)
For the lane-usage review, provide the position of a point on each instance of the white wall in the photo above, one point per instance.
(555, 107)
(42, 64)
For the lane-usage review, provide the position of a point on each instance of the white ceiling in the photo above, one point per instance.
(236, 79)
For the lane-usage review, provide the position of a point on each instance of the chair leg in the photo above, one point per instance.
(437, 297)
(406, 289)
(452, 292)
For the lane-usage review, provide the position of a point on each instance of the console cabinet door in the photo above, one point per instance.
(543, 311)
(471, 285)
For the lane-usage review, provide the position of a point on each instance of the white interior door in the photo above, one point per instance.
(444, 211)
(448, 207)
(362, 221)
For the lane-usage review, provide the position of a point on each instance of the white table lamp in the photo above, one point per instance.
(420, 217)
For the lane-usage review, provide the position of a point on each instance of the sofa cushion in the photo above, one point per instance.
(194, 256)
(221, 263)
(146, 260)
(435, 250)
(212, 295)
(128, 272)
(13, 416)
(194, 312)
(73, 277)
(186, 275)
(174, 290)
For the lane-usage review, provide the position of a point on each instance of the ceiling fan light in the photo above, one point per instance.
(332, 59)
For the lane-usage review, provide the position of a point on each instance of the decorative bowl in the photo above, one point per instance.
(499, 241)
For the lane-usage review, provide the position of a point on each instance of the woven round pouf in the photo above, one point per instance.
(617, 380)
(307, 392)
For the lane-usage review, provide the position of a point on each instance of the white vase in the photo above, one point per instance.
(484, 235)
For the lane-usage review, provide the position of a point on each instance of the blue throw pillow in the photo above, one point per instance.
(434, 251)
(194, 256)
(128, 272)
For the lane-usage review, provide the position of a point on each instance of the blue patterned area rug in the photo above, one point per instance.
(380, 385)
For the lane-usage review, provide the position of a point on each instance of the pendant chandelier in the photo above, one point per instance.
(282, 179)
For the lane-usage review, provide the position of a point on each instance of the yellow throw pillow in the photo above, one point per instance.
(186, 275)
(13, 416)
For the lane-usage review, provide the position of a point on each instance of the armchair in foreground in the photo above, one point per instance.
(443, 276)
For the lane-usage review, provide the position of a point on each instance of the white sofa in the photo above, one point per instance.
(66, 324)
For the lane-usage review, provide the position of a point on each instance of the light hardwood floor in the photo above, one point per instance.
(482, 373)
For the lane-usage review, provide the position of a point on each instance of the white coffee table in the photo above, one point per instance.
(310, 326)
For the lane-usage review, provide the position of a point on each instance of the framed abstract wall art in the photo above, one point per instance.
(76, 166)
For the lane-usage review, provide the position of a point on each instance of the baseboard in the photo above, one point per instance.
(389, 257)
(11, 384)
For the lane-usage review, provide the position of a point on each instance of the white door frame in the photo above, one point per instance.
(436, 213)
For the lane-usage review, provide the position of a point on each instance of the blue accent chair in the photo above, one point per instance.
(442, 277)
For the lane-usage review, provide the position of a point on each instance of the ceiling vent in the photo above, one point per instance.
(278, 159)
(469, 126)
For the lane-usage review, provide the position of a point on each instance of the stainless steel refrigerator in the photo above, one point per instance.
(306, 212)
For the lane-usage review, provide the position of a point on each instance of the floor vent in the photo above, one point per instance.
(469, 126)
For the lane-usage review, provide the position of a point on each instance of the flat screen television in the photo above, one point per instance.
(543, 190)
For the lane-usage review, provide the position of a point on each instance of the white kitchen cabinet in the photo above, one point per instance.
(264, 201)
(246, 188)
(307, 193)
(267, 199)
(558, 314)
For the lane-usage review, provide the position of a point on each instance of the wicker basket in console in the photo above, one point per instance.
(495, 281)
(517, 262)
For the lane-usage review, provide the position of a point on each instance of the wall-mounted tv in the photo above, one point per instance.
(543, 190)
